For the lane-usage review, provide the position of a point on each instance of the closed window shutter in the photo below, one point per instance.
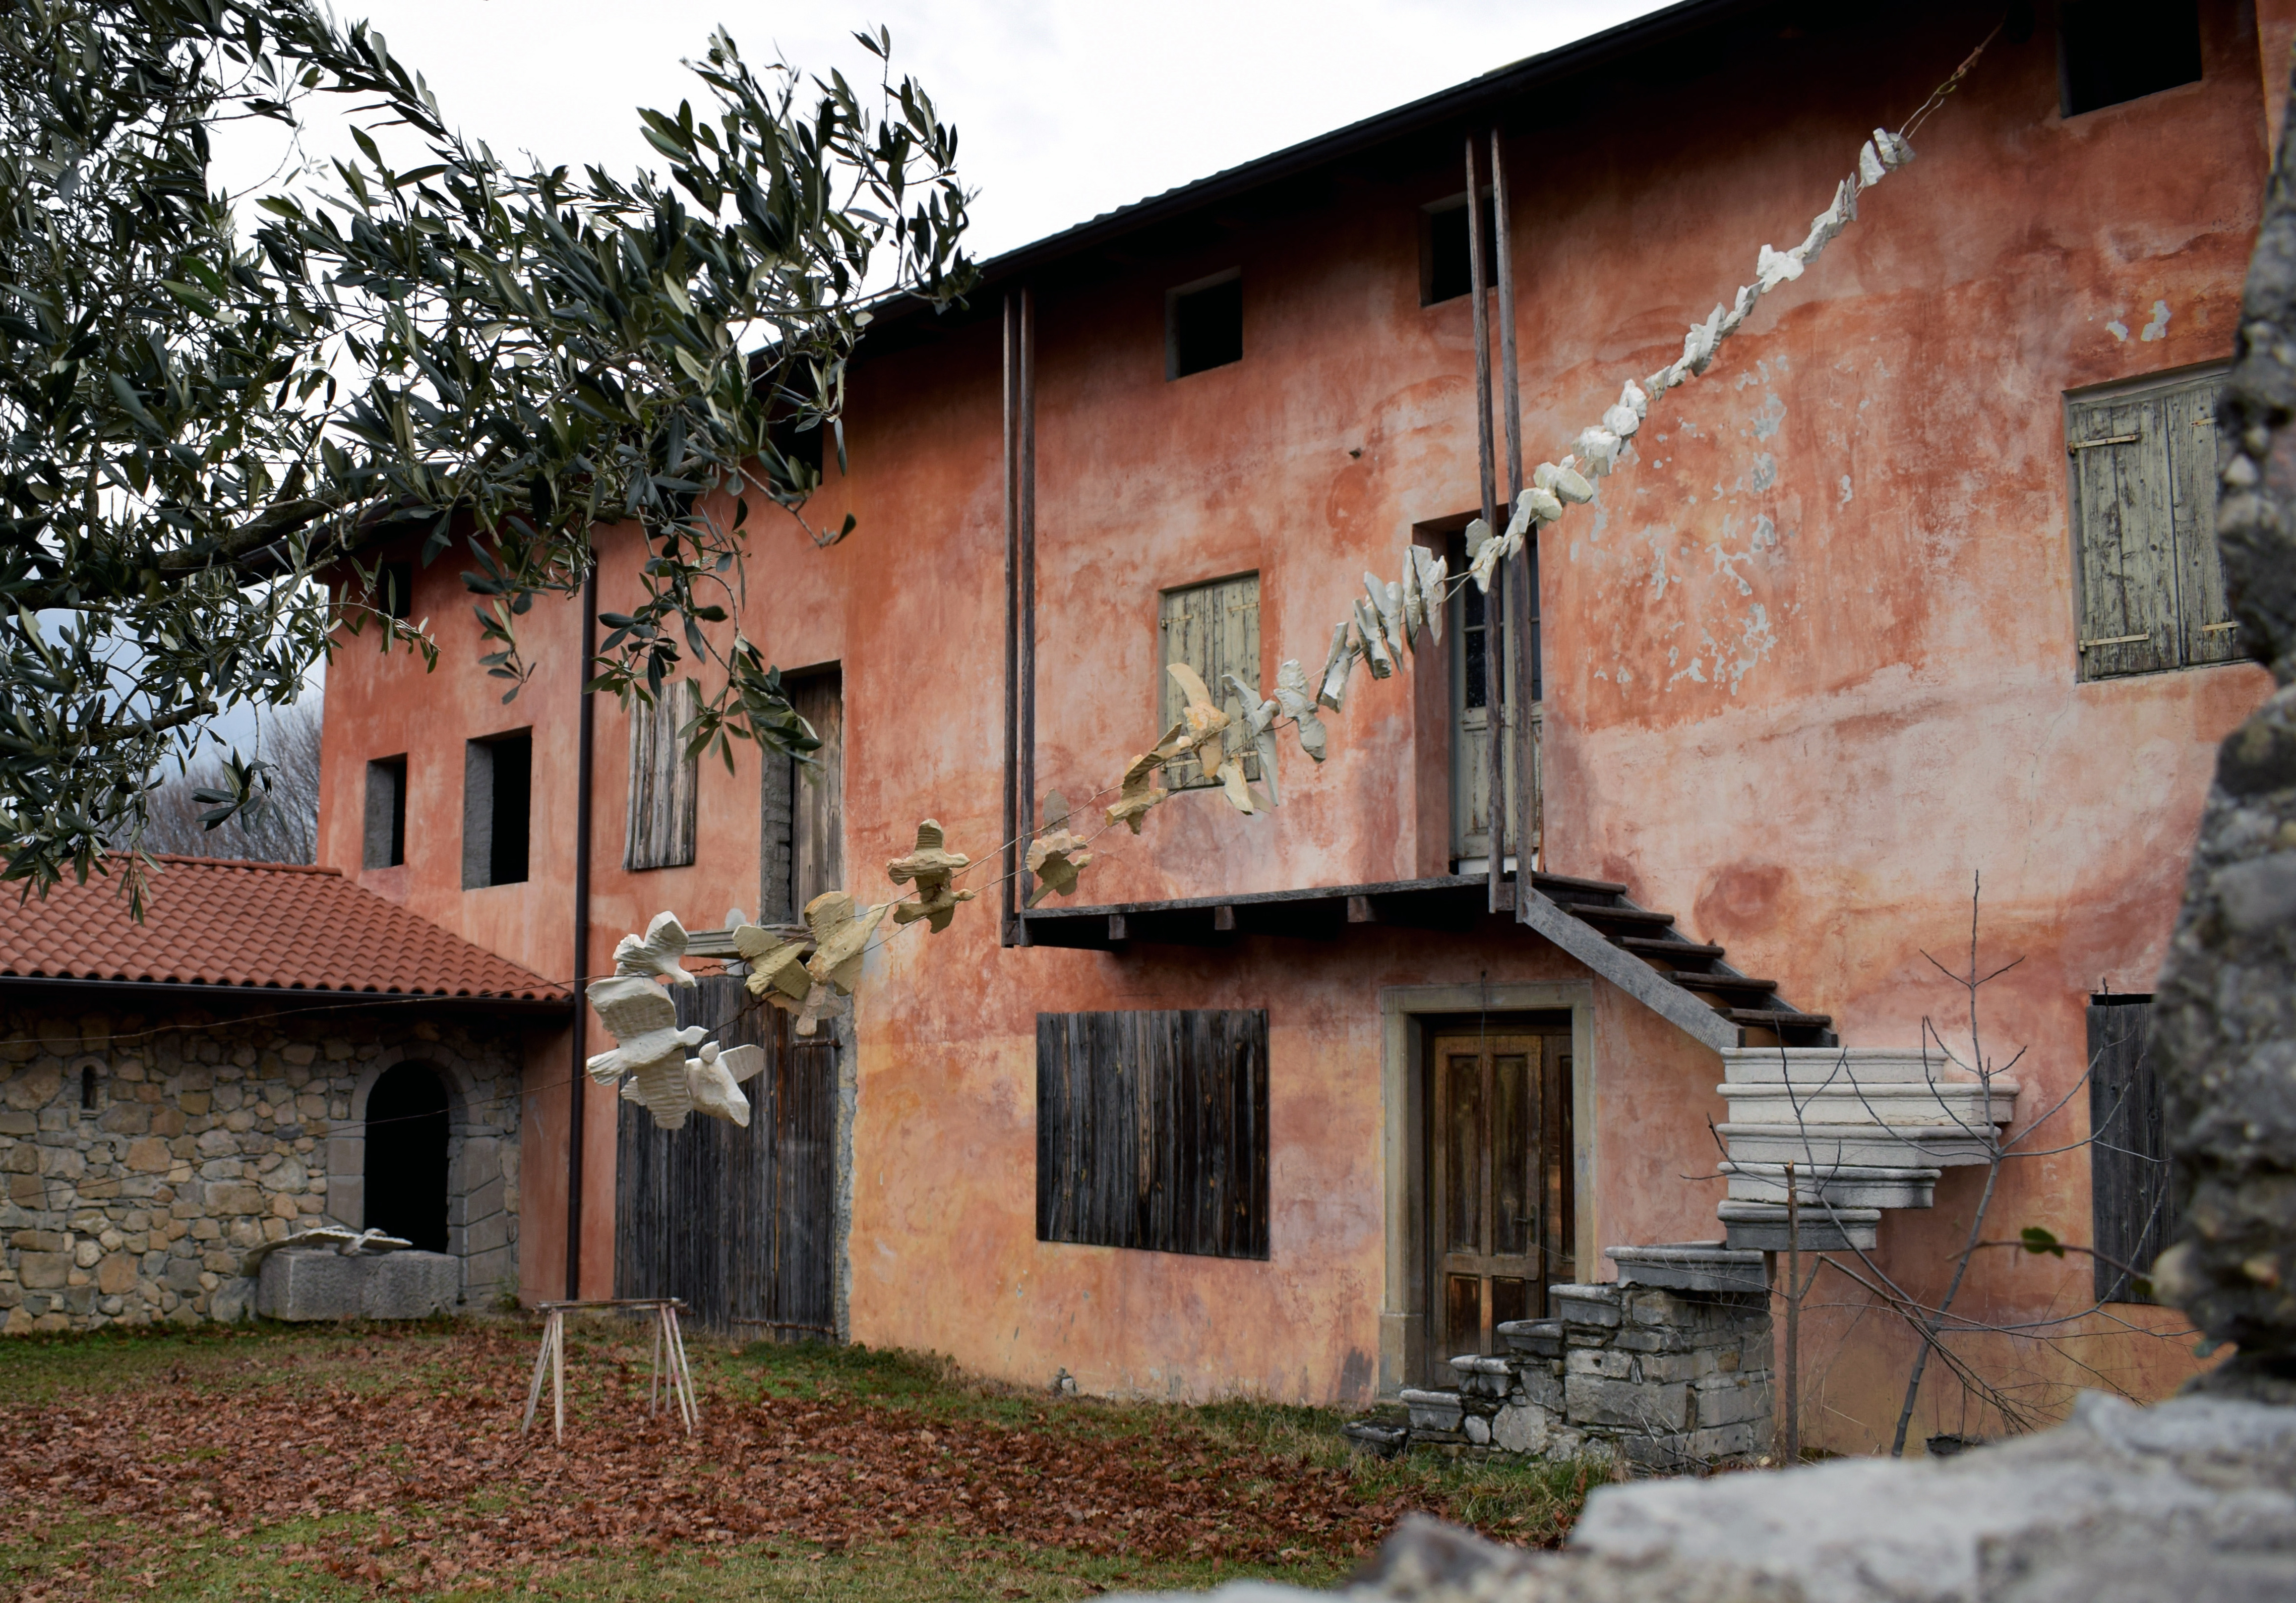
(2132, 1204)
(1214, 628)
(2189, 433)
(2127, 567)
(1151, 1131)
(2144, 497)
(663, 781)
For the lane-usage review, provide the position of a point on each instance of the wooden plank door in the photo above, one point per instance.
(737, 1222)
(1498, 1172)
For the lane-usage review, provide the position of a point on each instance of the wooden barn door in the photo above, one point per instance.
(1498, 1172)
(738, 1223)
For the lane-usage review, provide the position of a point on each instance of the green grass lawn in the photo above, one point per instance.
(351, 1463)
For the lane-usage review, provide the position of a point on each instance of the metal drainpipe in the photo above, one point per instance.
(577, 1079)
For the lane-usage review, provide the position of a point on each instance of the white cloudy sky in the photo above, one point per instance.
(1065, 108)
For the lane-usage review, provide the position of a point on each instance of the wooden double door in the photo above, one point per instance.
(1500, 1214)
(739, 1221)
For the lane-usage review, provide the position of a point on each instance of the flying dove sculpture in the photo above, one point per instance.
(656, 952)
(929, 866)
(776, 967)
(1055, 858)
(347, 1242)
(643, 1023)
(713, 1086)
(1138, 793)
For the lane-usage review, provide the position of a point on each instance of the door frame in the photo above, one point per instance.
(1407, 1013)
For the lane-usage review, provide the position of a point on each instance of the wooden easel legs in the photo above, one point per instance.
(668, 1363)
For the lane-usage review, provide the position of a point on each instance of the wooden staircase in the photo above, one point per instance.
(1763, 1017)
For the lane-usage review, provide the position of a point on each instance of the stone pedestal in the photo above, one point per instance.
(305, 1285)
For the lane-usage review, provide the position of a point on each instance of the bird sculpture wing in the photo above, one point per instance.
(656, 952)
(643, 1023)
(713, 1080)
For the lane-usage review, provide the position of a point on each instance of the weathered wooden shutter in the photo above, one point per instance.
(740, 1223)
(1151, 1131)
(663, 781)
(2143, 475)
(2131, 1202)
(1215, 629)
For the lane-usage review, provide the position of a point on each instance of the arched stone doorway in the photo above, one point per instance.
(408, 1125)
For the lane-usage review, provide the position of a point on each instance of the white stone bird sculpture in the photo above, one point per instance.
(714, 1079)
(656, 952)
(649, 1046)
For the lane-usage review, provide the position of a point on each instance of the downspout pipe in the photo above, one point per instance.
(578, 1072)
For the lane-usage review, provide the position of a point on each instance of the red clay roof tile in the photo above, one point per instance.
(211, 922)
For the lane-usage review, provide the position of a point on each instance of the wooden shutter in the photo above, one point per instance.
(663, 780)
(1151, 1131)
(2189, 437)
(2131, 1202)
(2143, 502)
(1215, 629)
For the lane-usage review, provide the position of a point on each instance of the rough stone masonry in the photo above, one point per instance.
(142, 1153)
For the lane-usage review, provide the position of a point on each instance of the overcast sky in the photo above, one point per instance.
(1065, 108)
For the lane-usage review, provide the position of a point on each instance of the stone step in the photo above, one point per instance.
(1434, 1411)
(1761, 1227)
(1690, 1266)
(1861, 1065)
(1948, 1102)
(1478, 1376)
(1533, 1339)
(1844, 1186)
(1870, 1145)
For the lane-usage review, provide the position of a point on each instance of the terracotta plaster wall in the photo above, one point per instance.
(1854, 527)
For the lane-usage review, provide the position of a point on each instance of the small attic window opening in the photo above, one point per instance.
(1445, 267)
(498, 799)
(2111, 51)
(1203, 324)
(87, 1088)
(385, 843)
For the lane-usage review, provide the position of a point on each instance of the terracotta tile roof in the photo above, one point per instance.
(273, 925)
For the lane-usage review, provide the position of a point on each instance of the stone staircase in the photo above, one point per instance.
(1866, 1128)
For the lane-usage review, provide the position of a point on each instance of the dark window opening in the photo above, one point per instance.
(394, 589)
(2118, 50)
(2132, 1203)
(1445, 267)
(497, 798)
(1205, 326)
(87, 1088)
(386, 813)
(1151, 1131)
(407, 1130)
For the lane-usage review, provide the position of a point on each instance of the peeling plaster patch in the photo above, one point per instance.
(1755, 643)
(2158, 329)
(1765, 472)
(1658, 563)
(1771, 414)
(2118, 330)
(1846, 491)
(1766, 534)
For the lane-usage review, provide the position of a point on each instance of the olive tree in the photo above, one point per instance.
(209, 407)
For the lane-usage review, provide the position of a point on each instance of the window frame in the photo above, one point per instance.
(2099, 656)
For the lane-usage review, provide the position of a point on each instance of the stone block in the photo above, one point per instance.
(1690, 1266)
(149, 1156)
(491, 1233)
(1479, 1430)
(44, 1271)
(1429, 1410)
(1600, 1360)
(38, 1241)
(236, 1196)
(183, 1275)
(1533, 1338)
(1733, 1402)
(1666, 1367)
(1542, 1387)
(14, 1122)
(116, 1275)
(410, 1286)
(1596, 1400)
(85, 1254)
(1707, 1444)
(1520, 1428)
(305, 1285)
(1584, 1304)
(125, 1119)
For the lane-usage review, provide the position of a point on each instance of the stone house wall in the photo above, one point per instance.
(145, 1147)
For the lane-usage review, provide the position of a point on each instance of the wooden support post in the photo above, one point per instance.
(1494, 767)
(1523, 572)
(1028, 734)
(1793, 1321)
(1010, 926)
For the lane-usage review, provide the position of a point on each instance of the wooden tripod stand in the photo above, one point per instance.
(668, 1360)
